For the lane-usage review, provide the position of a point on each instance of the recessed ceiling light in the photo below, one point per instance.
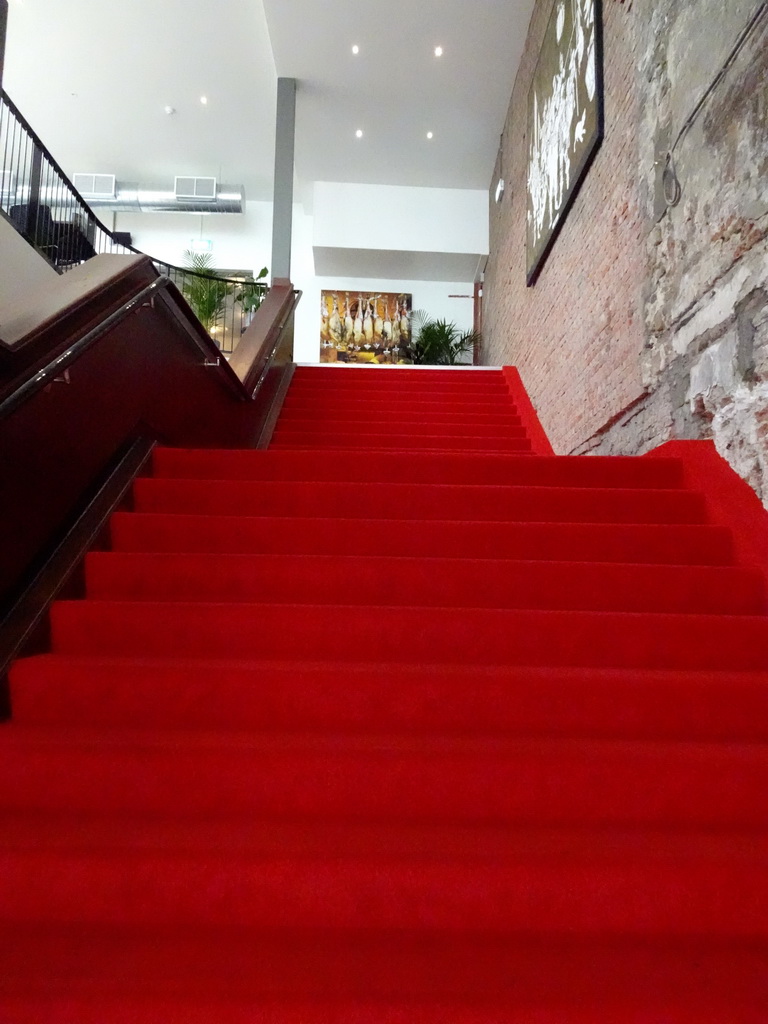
(438, 51)
(204, 100)
(169, 110)
(430, 135)
(359, 133)
(355, 48)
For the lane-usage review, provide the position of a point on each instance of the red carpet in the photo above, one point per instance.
(402, 721)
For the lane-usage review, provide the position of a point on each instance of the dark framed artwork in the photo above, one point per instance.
(365, 327)
(565, 121)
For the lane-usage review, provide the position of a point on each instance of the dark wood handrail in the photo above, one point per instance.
(51, 371)
(243, 374)
(114, 355)
(48, 374)
(258, 344)
(68, 303)
(138, 366)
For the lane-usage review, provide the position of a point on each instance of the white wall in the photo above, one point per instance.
(396, 217)
(303, 277)
(240, 241)
(384, 217)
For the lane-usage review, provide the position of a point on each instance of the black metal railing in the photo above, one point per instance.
(224, 305)
(46, 208)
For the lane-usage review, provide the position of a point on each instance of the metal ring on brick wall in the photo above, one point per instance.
(673, 190)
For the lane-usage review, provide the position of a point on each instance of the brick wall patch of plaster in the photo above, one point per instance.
(740, 432)
(715, 368)
(718, 305)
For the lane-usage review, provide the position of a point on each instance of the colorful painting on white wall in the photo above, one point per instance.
(365, 327)
(565, 121)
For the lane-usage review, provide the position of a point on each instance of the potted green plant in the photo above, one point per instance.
(204, 290)
(251, 295)
(438, 342)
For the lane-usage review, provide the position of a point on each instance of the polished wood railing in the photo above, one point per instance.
(125, 361)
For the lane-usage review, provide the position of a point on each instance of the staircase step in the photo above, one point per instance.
(426, 428)
(418, 501)
(420, 441)
(68, 691)
(393, 376)
(541, 782)
(617, 542)
(436, 420)
(399, 406)
(133, 872)
(407, 634)
(454, 582)
(423, 376)
(228, 1011)
(93, 975)
(443, 386)
(416, 467)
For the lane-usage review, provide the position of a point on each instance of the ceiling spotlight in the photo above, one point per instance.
(359, 133)
(169, 110)
(438, 51)
(430, 135)
(204, 100)
(355, 49)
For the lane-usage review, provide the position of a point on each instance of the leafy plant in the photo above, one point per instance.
(438, 342)
(204, 290)
(251, 295)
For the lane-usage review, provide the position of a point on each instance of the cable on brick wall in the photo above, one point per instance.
(673, 190)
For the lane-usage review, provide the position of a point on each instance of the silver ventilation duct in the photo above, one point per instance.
(131, 197)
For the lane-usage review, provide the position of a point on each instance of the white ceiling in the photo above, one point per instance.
(93, 77)
(395, 89)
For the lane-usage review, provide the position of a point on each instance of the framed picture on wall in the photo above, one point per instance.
(365, 327)
(565, 121)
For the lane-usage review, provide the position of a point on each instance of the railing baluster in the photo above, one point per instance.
(50, 212)
(33, 206)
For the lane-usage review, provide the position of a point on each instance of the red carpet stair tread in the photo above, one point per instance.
(419, 410)
(396, 722)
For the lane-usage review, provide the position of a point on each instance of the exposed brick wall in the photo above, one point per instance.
(576, 336)
(646, 322)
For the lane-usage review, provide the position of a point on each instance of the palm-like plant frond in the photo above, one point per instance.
(203, 289)
(438, 342)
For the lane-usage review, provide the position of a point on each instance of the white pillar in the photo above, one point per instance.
(282, 220)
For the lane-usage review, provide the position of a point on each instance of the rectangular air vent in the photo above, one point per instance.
(95, 186)
(202, 189)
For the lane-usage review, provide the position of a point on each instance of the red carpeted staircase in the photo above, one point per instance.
(397, 722)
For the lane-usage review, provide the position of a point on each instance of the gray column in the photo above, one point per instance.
(282, 221)
(3, 26)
